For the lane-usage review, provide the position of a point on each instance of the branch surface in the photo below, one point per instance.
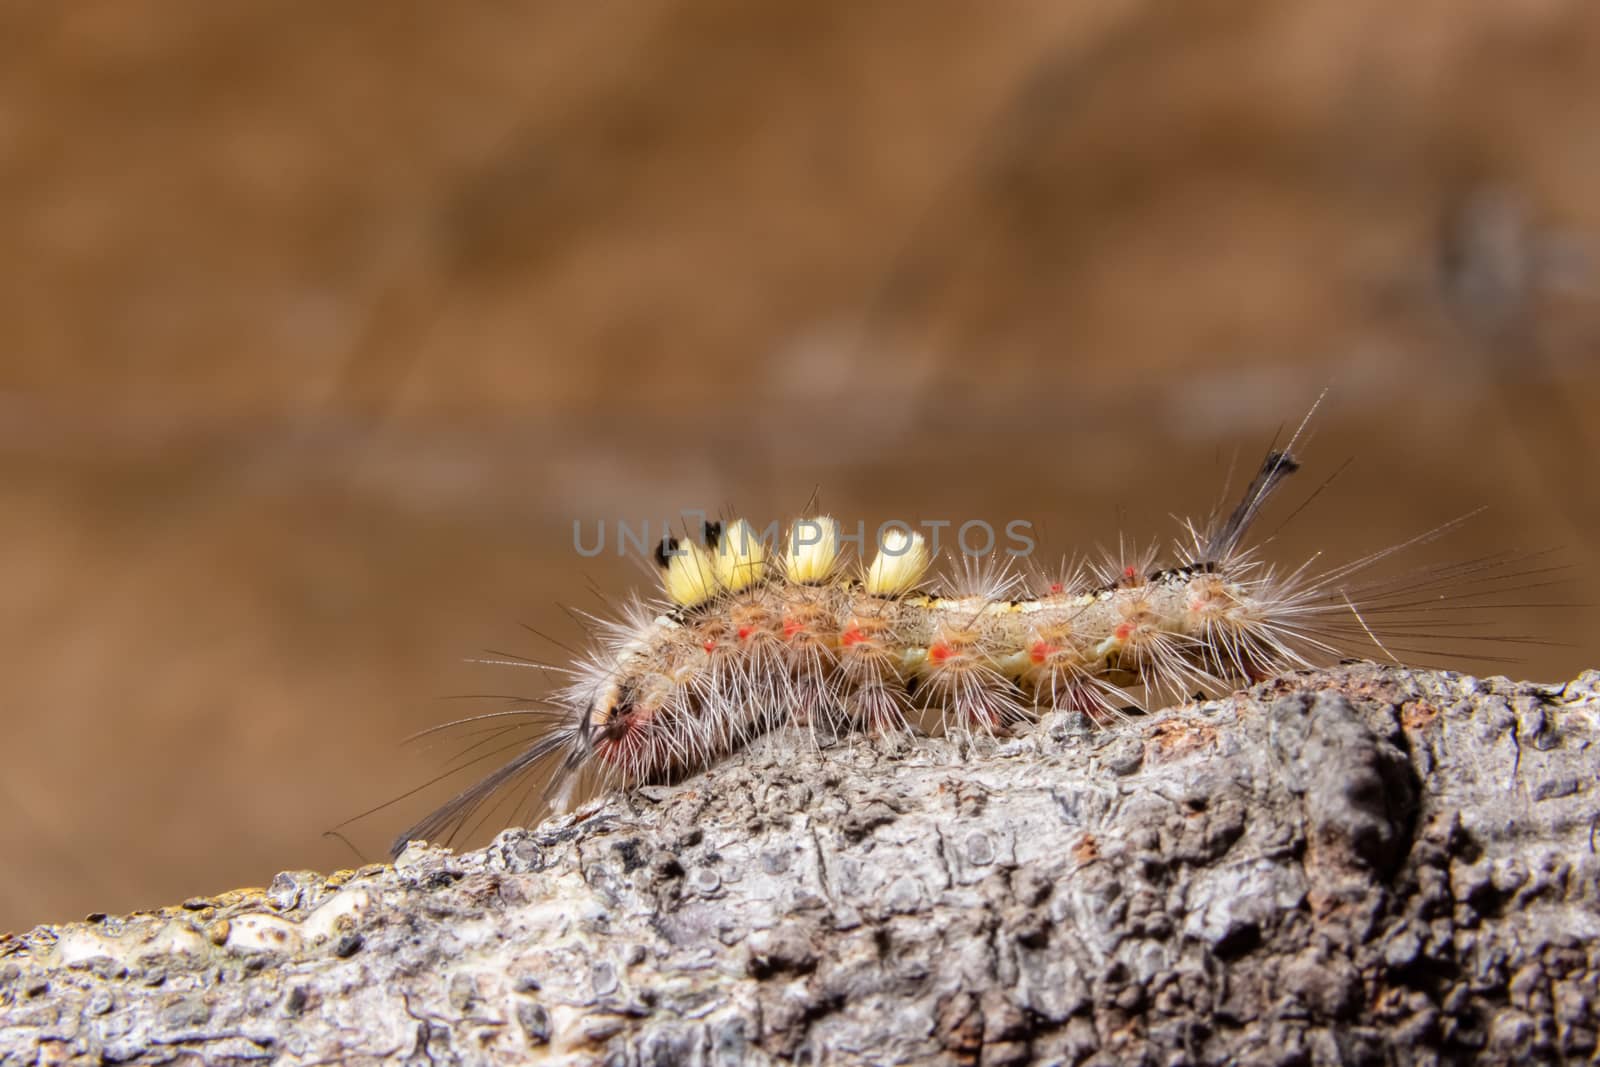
(1358, 865)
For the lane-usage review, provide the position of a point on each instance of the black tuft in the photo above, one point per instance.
(1279, 463)
(666, 550)
(710, 534)
(1274, 469)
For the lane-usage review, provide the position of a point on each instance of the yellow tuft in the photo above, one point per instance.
(901, 562)
(689, 576)
(812, 549)
(741, 557)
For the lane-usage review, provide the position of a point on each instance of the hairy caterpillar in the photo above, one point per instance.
(752, 634)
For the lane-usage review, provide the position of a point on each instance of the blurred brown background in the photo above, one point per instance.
(322, 323)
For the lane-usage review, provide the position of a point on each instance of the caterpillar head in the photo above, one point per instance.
(641, 720)
(618, 723)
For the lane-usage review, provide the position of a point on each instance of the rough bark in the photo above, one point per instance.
(1356, 865)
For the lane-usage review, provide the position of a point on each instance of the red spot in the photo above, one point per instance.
(938, 653)
(710, 646)
(1041, 651)
(852, 637)
(792, 627)
(1057, 587)
(1128, 572)
(1124, 631)
(745, 632)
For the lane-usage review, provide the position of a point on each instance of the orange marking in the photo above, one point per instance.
(792, 626)
(852, 636)
(1128, 572)
(1041, 651)
(939, 652)
(1124, 631)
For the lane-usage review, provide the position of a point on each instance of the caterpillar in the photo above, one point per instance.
(750, 633)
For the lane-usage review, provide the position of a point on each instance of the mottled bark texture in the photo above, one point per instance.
(1360, 865)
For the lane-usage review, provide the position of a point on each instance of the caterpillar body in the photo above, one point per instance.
(748, 636)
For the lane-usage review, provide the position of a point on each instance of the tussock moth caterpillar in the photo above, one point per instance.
(752, 632)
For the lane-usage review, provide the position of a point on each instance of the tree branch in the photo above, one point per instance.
(1363, 864)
